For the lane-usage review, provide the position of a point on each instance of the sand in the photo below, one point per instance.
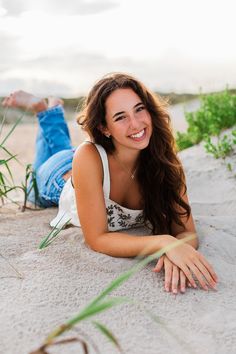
(58, 281)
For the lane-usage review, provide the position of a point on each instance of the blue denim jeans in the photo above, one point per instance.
(53, 158)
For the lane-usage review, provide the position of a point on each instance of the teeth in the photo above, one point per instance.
(138, 135)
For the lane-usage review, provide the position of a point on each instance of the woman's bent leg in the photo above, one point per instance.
(53, 158)
(54, 151)
(53, 135)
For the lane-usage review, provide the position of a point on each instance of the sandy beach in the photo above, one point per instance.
(56, 283)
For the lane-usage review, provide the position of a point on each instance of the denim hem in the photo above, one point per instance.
(51, 111)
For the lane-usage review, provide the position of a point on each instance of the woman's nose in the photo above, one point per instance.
(133, 122)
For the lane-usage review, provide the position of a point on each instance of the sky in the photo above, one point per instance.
(62, 47)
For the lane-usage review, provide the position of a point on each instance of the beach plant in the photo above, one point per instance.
(7, 184)
(223, 147)
(6, 177)
(53, 234)
(103, 303)
(216, 113)
(29, 184)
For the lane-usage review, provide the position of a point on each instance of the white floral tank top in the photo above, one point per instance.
(118, 217)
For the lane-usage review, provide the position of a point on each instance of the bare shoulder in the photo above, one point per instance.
(87, 161)
(87, 151)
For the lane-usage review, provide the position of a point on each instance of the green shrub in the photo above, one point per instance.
(217, 112)
(223, 147)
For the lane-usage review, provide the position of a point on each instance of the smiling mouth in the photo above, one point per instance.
(138, 135)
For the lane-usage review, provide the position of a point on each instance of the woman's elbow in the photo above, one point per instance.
(95, 244)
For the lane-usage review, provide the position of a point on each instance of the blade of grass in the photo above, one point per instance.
(30, 177)
(4, 187)
(108, 334)
(9, 171)
(5, 181)
(85, 314)
(10, 154)
(3, 162)
(15, 270)
(11, 130)
(3, 120)
(95, 309)
(42, 349)
(47, 240)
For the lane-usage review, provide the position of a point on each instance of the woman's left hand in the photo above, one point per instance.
(175, 279)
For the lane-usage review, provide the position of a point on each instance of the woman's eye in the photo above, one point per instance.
(140, 108)
(119, 118)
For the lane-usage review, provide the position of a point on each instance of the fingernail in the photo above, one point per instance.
(183, 290)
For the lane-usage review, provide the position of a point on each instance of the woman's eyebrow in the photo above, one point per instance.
(138, 104)
(118, 113)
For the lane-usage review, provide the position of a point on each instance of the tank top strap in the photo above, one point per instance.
(106, 173)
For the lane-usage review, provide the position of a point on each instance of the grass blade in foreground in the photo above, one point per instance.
(53, 234)
(11, 130)
(42, 350)
(108, 334)
(15, 270)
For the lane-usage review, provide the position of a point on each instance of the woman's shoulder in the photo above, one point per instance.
(86, 150)
(87, 158)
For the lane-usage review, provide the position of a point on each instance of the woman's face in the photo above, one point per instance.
(128, 121)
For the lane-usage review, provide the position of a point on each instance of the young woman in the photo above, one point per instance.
(126, 175)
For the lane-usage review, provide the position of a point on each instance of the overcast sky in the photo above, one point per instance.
(61, 47)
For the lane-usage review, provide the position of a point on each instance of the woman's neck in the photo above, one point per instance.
(127, 158)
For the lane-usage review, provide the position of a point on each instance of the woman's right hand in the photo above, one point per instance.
(192, 262)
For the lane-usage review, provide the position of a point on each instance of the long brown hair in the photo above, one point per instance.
(160, 174)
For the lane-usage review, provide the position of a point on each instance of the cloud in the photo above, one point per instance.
(13, 7)
(74, 7)
(9, 50)
(42, 88)
(73, 73)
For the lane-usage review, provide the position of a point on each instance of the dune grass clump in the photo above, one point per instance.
(216, 113)
(6, 177)
(7, 183)
(223, 147)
